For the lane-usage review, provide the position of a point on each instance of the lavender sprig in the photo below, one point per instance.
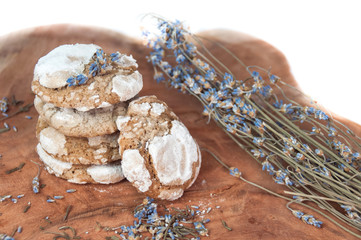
(301, 146)
(35, 183)
(25, 108)
(4, 104)
(100, 64)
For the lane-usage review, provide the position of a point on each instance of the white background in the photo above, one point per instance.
(321, 39)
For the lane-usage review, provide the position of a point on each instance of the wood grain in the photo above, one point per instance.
(250, 212)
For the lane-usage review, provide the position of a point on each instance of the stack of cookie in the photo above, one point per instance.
(92, 129)
(80, 91)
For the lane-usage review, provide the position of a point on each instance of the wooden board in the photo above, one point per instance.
(250, 212)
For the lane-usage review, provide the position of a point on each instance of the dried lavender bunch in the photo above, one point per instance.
(300, 146)
(176, 224)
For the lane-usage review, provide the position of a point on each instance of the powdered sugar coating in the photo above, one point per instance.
(173, 155)
(76, 179)
(53, 141)
(104, 105)
(121, 121)
(127, 61)
(140, 109)
(157, 109)
(171, 194)
(95, 98)
(82, 109)
(149, 106)
(53, 69)
(198, 168)
(57, 166)
(106, 174)
(97, 140)
(135, 171)
(127, 86)
(91, 86)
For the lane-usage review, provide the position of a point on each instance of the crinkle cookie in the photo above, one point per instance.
(71, 122)
(78, 150)
(82, 76)
(159, 156)
(81, 174)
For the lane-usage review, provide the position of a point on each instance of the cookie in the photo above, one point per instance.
(159, 156)
(71, 122)
(78, 150)
(83, 77)
(81, 174)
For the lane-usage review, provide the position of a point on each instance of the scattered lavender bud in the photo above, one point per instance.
(3, 198)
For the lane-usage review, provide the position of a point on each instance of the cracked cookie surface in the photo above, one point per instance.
(78, 150)
(119, 80)
(71, 122)
(81, 174)
(159, 156)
